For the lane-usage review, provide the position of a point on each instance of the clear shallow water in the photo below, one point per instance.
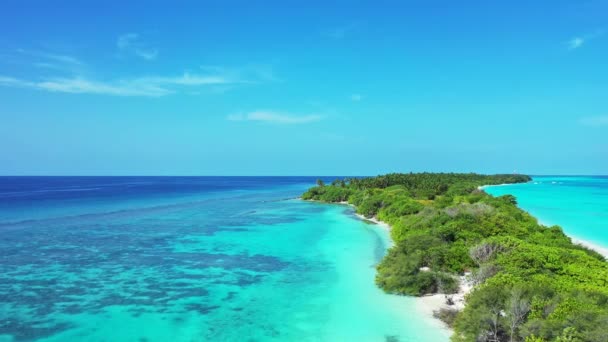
(191, 259)
(578, 204)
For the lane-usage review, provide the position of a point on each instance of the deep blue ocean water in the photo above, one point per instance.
(579, 204)
(191, 259)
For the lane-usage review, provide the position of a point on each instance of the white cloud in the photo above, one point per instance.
(579, 41)
(595, 121)
(575, 43)
(143, 86)
(356, 97)
(125, 40)
(76, 77)
(120, 88)
(83, 86)
(275, 117)
(131, 43)
(188, 79)
(62, 58)
(46, 60)
(13, 82)
(147, 54)
(65, 59)
(251, 73)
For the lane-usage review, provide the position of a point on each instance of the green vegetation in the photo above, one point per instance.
(532, 283)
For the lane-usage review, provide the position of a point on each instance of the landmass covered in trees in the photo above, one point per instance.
(531, 282)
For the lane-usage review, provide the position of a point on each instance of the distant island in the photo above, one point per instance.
(529, 282)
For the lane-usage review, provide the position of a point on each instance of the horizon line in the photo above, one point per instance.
(265, 175)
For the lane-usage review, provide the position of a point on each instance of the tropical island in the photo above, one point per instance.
(530, 282)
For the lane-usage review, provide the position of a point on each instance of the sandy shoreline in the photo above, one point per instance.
(602, 250)
(427, 305)
(591, 245)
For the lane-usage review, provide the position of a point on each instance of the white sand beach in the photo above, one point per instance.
(427, 305)
(600, 249)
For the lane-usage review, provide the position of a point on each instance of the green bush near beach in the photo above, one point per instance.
(532, 282)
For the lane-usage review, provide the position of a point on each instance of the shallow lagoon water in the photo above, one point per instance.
(578, 204)
(191, 259)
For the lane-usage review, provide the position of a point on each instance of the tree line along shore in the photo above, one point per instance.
(531, 282)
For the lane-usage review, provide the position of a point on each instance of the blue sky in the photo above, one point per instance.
(303, 88)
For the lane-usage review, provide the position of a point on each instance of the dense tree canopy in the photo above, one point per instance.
(532, 282)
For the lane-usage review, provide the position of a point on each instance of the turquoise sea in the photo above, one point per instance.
(191, 259)
(578, 204)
